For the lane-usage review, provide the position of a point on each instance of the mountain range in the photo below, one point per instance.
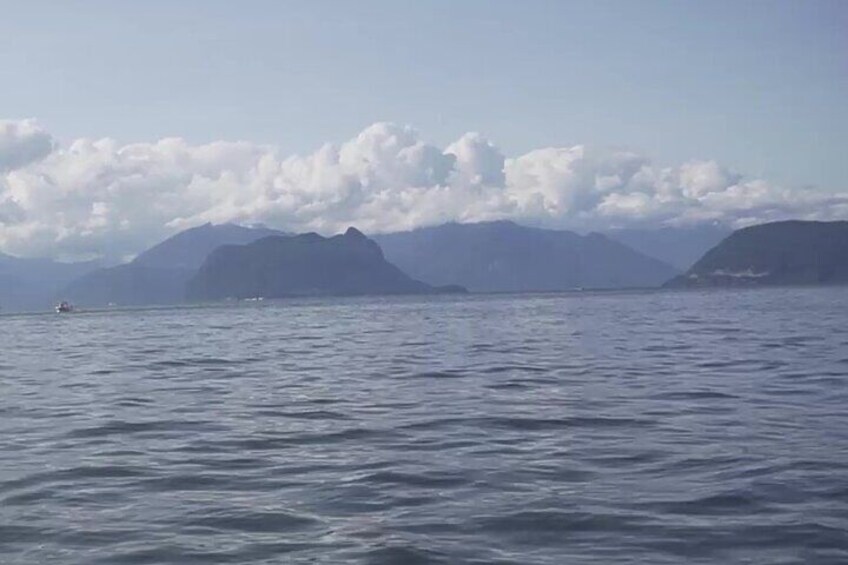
(505, 257)
(218, 261)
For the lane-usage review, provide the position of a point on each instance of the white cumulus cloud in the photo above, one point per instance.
(22, 142)
(101, 198)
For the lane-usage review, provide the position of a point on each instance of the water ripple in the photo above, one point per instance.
(661, 428)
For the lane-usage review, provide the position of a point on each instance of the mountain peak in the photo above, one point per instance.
(158, 275)
(306, 265)
(353, 232)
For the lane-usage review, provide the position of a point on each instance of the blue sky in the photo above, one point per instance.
(759, 87)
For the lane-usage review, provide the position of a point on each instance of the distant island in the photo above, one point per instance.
(303, 265)
(779, 253)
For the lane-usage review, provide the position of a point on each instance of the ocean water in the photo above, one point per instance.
(662, 427)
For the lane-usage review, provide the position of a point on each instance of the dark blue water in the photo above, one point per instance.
(586, 428)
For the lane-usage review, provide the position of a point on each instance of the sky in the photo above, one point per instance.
(123, 122)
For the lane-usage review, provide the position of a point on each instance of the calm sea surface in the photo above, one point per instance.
(667, 427)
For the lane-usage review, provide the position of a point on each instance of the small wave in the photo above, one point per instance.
(432, 479)
(721, 504)
(181, 482)
(294, 440)
(253, 522)
(696, 395)
(533, 526)
(406, 555)
(121, 428)
(16, 534)
(73, 475)
(438, 375)
(514, 368)
(322, 415)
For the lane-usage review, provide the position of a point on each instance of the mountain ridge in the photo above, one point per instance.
(792, 252)
(158, 275)
(503, 256)
(348, 264)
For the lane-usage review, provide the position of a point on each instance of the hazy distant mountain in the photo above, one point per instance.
(128, 285)
(33, 284)
(188, 249)
(159, 275)
(779, 253)
(679, 247)
(303, 265)
(503, 256)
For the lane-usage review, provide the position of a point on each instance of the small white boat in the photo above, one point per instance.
(64, 307)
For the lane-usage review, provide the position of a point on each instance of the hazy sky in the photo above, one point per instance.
(758, 88)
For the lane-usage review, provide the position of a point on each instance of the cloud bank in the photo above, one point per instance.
(99, 198)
